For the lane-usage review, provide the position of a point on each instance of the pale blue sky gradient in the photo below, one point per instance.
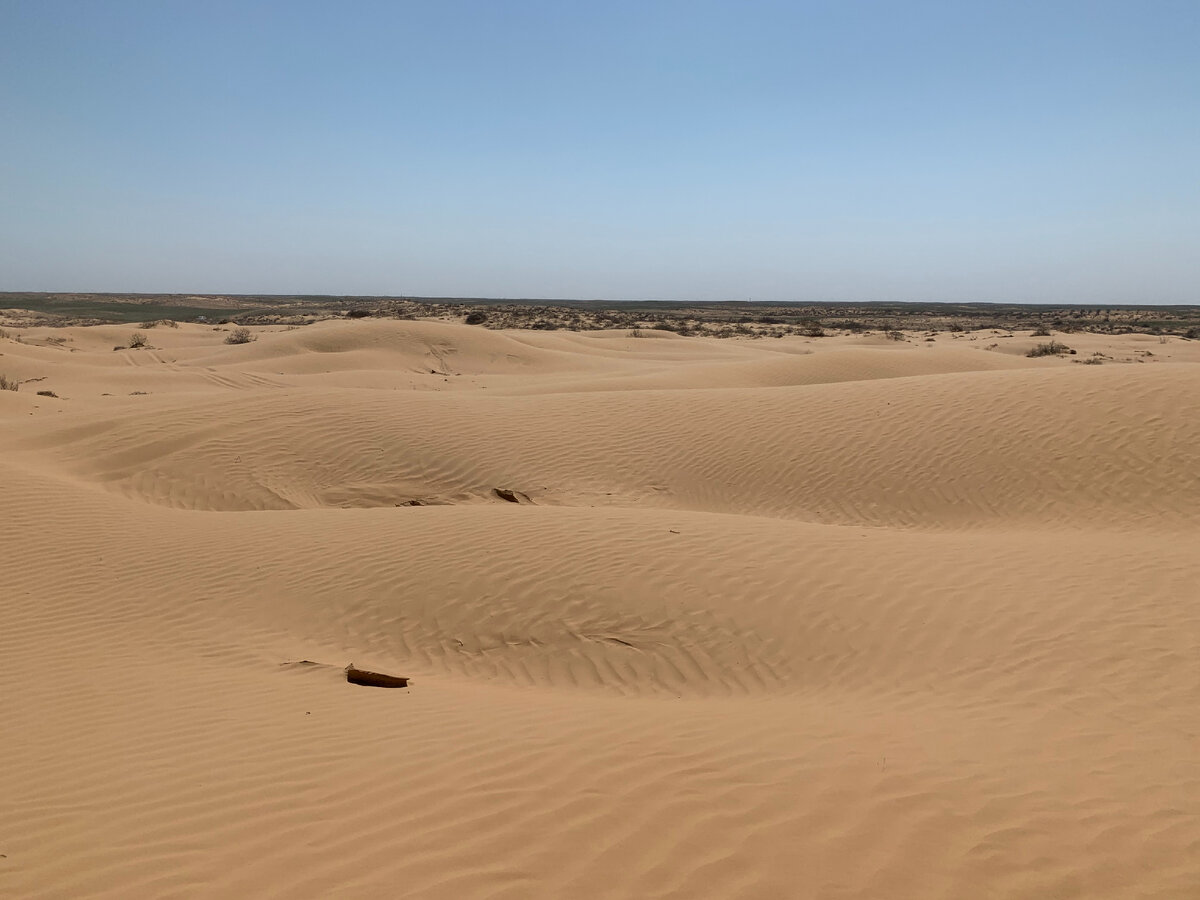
(1009, 151)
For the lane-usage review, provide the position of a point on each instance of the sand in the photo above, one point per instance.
(838, 617)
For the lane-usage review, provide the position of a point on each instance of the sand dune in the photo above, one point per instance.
(823, 618)
(1035, 447)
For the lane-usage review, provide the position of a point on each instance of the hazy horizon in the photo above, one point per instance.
(805, 152)
(481, 299)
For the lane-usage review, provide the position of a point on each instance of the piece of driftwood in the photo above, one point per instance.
(511, 496)
(374, 679)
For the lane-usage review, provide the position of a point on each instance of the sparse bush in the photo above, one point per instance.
(637, 332)
(1041, 331)
(1050, 348)
(137, 341)
(476, 318)
(357, 313)
(812, 330)
(846, 325)
(240, 335)
(47, 394)
(8, 384)
(895, 335)
(153, 323)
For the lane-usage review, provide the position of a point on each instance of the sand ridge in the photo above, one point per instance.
(839, 617)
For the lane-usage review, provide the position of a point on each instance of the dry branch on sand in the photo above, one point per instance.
(374, 679)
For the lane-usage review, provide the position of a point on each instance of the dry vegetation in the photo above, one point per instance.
(719, 320)
(1050, 348)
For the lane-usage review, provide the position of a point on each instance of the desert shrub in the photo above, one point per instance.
(357, 313)
(681, 328)
(47, 394)
(812, 330)
(1050, 348)
(846, 325)
(240, 335)
(3, 333)
(894, 335)
(8, 384)
(1041, 331)
(153, 323)
(476, 318)
(137, 341)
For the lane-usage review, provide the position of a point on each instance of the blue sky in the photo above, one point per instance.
(1008, 151)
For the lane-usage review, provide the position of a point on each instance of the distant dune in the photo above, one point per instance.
(801, 617)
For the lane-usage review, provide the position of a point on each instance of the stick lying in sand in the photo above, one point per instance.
(374, 679)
